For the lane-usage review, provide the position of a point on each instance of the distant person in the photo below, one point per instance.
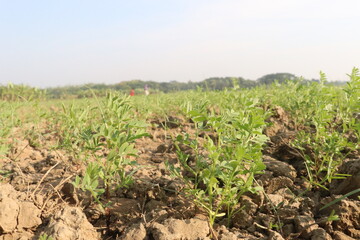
(132, 92)
(146, 90)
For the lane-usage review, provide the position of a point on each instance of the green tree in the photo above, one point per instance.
(279, 77)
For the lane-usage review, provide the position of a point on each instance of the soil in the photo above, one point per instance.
(37, 197)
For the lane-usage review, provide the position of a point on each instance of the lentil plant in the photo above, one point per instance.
(222, 166)
(325, 146)
(103, 136)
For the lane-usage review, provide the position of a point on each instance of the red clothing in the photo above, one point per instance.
(132, 92)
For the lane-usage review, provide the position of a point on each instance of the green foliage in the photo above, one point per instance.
(278, 77)
(8, 120)
(219, 153)
(105, 134)
(223, 167)
(351, 107)
(88, 90)
(44, 236)
(13, 92)
(90, 181)
(333, 217)
(323, 146)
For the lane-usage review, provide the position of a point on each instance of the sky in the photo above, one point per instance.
(52, 43)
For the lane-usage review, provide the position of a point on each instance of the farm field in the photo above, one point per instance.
(273, 162)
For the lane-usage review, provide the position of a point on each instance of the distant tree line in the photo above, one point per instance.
(89, 90)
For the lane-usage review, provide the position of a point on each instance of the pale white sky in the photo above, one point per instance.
(54, 43)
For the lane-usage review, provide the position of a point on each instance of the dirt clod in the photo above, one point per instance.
(135, 232)
(278, 183)
(29, 216)
(349, 213)
(275, 236)
(16, 214)
(71, 223)
(351, 167)
(341, 236)
(179, 229)
(279, 168)
(8, 214)
(305, 224)
(320, 234)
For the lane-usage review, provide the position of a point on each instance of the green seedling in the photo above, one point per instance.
(217, 174)
(109, 142)
(44, 236)
(90, 181)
